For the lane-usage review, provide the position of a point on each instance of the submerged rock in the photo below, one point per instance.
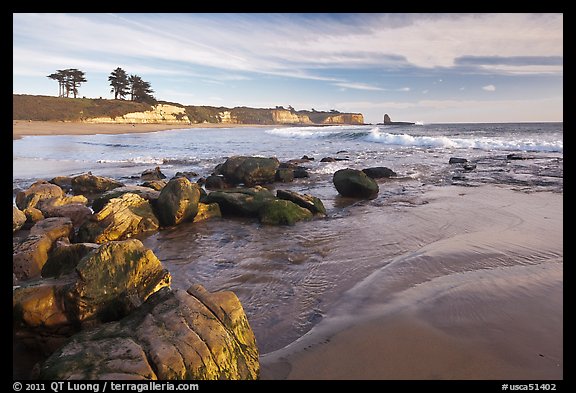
(457, 160)
(355, 183)
(119, 219)
(178, 202)
(176, 334)
(379, 172)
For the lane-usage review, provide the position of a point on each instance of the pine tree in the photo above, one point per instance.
(119, 82)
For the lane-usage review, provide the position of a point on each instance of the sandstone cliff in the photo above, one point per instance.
(90, 110)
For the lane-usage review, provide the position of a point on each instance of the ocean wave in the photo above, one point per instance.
(376, 135)
(152, 160)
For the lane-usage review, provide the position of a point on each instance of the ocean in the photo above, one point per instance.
(289, 278)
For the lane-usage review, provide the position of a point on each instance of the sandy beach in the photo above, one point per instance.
(493, 323)
(21, 128)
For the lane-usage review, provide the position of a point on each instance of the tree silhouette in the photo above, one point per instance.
(69, 80)
(119, 82)
(140, 90)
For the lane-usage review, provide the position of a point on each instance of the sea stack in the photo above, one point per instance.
(387, 119)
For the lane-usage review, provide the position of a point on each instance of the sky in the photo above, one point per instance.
(430, 68)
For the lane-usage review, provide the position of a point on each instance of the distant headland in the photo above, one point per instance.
(387, 121)
(109, 111)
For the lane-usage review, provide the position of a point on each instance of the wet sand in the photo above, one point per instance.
(503, 321)
(21, 128)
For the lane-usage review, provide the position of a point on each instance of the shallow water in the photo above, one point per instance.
(289, 278)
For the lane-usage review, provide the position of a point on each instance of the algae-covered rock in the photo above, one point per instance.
(207, 211)
(283, 212)
(245, 202)
(306, 201)
(145, 192)
(175, 335)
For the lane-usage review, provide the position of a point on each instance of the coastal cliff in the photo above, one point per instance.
(102, 111)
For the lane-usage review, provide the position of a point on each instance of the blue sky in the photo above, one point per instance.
(416, 67)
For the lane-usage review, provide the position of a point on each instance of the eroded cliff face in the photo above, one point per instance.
(282, 116)
(159, 114)
(345, 118)
(171, 114)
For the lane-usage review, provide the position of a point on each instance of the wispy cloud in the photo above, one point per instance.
(489, 88)
(357, 86)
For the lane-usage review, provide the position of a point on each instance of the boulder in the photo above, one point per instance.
(64, 182)
(54, 227)
(18, 218)
(33, 215)
(282, 212)
(30, 255)
(89, 184)
(119, 219)
(175, 335)
(152, 174)
(36, 192)
(284, 175)
(240, 201)
(178, 201)
(107, 284)
(76, 212)
(306, 201)
(379, 172)
(207, 211)
(355, 183)
(154, 184)
(250, 171)
(300, 172)
(215, 182)
(64, 258)
(145, 192)
(187, 174)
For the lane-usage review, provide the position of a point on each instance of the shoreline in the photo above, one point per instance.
(22, 128)
(485, 320)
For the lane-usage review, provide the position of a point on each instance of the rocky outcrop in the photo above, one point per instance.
(176, 334)
(18, 218)
(250, 171)
(107, 284)
(354, 183)
(178, 201)
(119, 219)
(282, 212)
(89, 184)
